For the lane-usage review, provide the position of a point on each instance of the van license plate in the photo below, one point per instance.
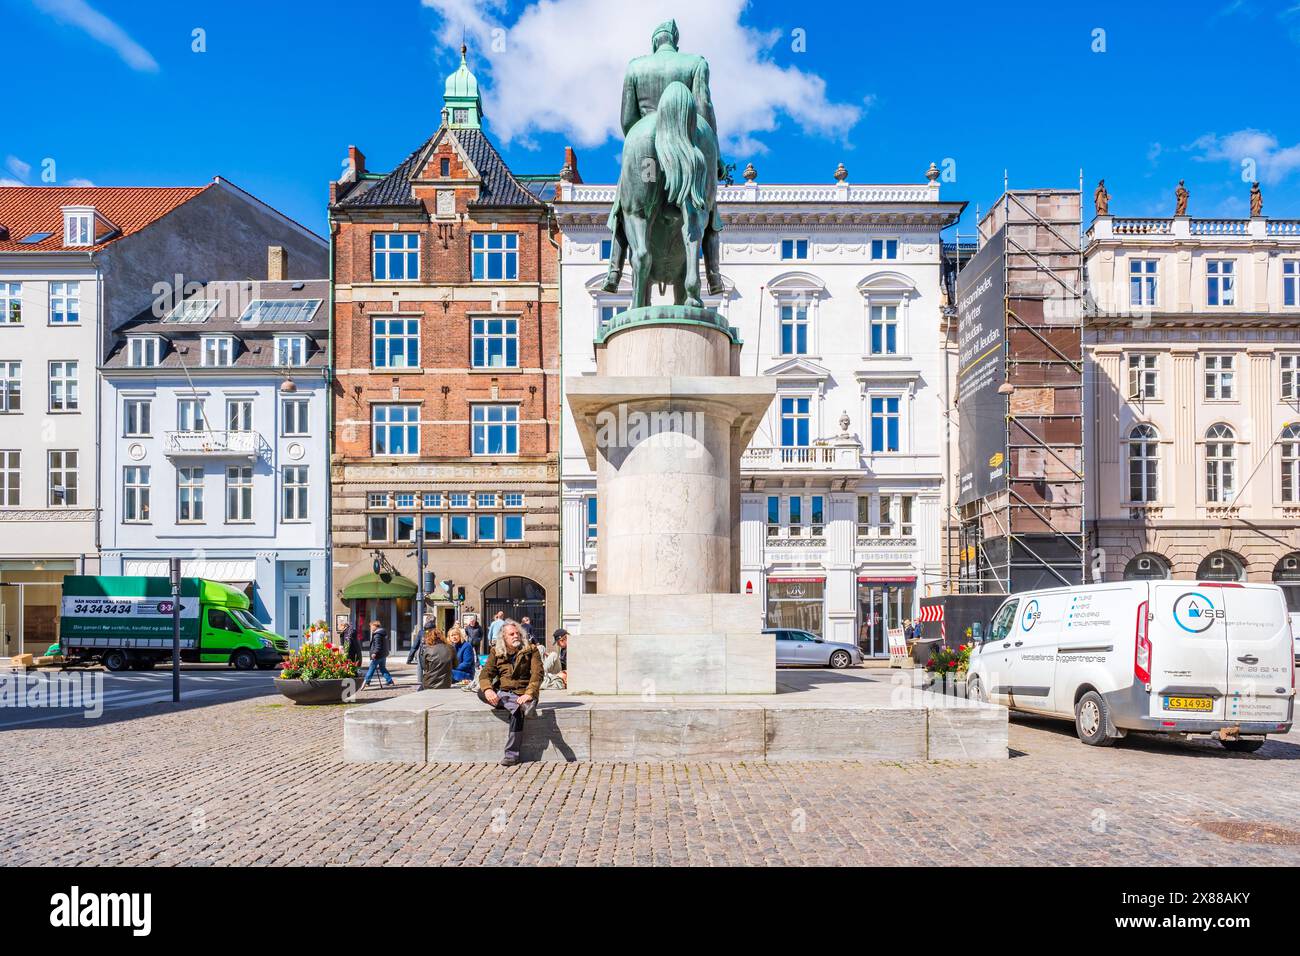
(1189, 703)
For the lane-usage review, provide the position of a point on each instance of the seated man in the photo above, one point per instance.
(511, 680)
(555, 665)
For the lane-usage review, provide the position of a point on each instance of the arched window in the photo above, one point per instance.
(1286, 575)
(1143, 463)
(1146, 567)
(1220, 464)
(1221, 566)
(1291, 464)
(518, 597)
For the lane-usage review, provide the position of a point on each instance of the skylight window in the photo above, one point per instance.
(192, 311)
(280, 311)
(35, 238)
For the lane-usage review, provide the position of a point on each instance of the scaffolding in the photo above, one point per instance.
(1029, 533)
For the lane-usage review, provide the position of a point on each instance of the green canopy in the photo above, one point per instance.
(384, 585)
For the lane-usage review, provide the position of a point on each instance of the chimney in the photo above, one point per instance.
(357, 160)
(569, 173)
(276, 264)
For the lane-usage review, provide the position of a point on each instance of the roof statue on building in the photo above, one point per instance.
(1256, 201)
(661, 221)
(1102, 198)
(1181, 196)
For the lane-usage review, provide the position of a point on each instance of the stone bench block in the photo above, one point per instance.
(845, 733)
(638, 733)
(965, 730)
(559, 734)
(376, 733)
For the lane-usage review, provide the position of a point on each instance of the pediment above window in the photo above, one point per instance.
(888, 282)
(796, 282)
(799, 368)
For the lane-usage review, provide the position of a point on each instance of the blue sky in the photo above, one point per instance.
(114, 93)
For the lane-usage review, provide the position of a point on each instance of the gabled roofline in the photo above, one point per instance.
(252, 200)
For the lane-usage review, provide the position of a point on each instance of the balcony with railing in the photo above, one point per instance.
(779, 193)
(841, 456)
(1185, 227)
(213, 444)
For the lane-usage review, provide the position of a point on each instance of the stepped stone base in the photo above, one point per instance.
(815, 715)
(657, 644)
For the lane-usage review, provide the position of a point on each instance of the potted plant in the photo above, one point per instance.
(947, 667)
(317, 674)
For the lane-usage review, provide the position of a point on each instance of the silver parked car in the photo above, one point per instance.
(795, 647)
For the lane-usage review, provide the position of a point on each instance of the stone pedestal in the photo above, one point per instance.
(656, 644)
(663, 423)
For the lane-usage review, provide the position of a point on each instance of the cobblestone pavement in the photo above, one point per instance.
(261, 782)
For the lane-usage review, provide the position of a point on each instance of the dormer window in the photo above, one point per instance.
(78, 226)
(143, 351)
(291, 350)
(218, 351)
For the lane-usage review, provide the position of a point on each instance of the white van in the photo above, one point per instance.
(1173, 657)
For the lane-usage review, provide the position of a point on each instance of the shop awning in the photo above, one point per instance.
(383, 585)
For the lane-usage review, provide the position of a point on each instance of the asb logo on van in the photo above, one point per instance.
(1031, 616)
(1195, 612)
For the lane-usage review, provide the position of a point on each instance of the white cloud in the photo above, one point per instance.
(78, 182)
(80, 14)
(10, 182)
(1273, 162)
(559, 68)
(16, 166)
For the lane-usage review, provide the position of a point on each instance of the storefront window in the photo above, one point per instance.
(882, 604)
(30, 598)
(795, 603)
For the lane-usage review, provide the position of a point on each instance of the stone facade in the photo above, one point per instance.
(446, 331)
(1192, 355)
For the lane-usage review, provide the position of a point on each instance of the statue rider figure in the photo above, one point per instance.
(644, 83)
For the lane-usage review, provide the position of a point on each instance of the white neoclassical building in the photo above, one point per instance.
(835, 290)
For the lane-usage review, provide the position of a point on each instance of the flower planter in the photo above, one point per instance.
(952, 683)
(300, 691)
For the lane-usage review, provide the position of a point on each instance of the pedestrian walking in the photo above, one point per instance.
(511, 681)
(494, 629)
(474, 633)
(378, 655)
(437, 658)
(350, 644)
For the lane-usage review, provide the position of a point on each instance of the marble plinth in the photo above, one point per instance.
(858, 714)
(654, 644)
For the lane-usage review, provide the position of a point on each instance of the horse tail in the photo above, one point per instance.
(684, 169)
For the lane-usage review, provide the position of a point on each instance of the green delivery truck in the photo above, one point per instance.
(126, 622)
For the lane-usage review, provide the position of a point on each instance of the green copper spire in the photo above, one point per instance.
(462, 107)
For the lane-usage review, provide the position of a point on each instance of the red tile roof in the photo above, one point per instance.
(25, 210)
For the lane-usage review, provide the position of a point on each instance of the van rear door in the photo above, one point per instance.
(1259, 654)
(1188, 664)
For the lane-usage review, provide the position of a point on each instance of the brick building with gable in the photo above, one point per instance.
(446, 380)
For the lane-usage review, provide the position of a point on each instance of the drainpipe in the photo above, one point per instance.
(329, 439)
(947, 447)
(552, 227)
(100, 332)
